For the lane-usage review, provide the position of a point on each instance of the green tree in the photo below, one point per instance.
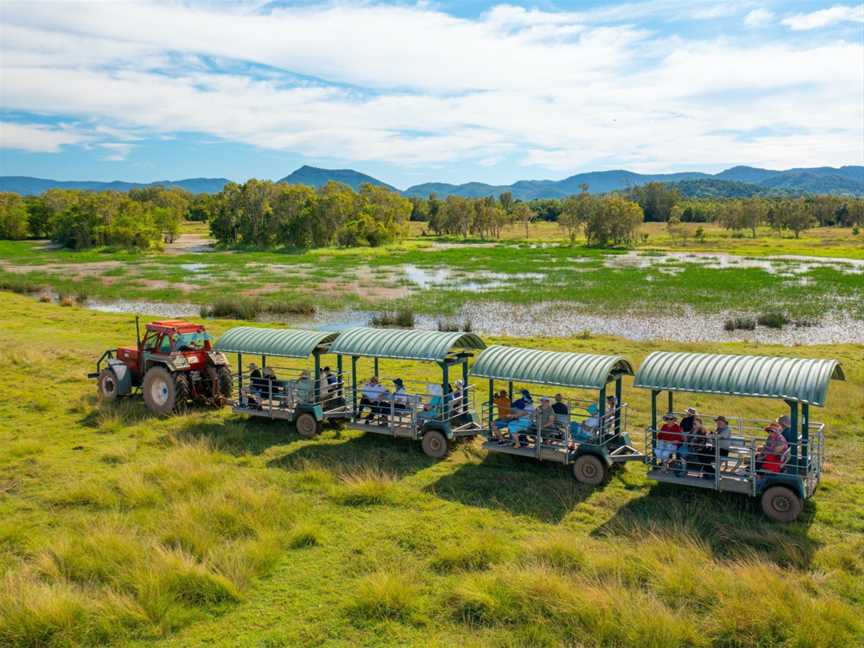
(523, 213)
(656, 200)
(13, 216)
(576, 212)
(615, 221)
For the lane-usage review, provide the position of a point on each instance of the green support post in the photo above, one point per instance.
(671, 407)
(447, 398)
(353, 386)
(805, 436)
(340, 379)
(618, 405)
(654, 395)
(239, 372)
(491, 404)
(793, 414)
(376, 368)
(263, 362)
(602, 409)
(510, 390)
(316, 389)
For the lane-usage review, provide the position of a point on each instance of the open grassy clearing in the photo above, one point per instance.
(116, 527)
(440, 277)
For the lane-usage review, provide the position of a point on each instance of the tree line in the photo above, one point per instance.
(265, 214)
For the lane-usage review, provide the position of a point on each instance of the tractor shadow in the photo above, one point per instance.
(341, 453)
(730, 525)
(519, 485)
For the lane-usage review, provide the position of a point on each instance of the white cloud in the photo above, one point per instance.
(116, 151)
(416, 86)
(37, 138)
(758, 18)
(825, 17)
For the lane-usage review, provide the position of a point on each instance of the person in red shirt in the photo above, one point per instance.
(669, 438)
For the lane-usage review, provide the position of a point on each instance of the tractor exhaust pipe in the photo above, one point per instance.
(138, 332)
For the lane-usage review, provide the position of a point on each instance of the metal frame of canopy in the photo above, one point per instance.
(798, 382)
(287, 400)
(594, 451)
(418, 417)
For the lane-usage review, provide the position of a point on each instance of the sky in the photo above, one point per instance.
(414, 92)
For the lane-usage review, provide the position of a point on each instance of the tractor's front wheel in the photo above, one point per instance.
(161, 391)
(107, 385)
(307, 426)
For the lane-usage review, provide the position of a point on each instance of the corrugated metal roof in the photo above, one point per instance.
(797, 379)
(287, 343)
(407, 344)
(585, 370)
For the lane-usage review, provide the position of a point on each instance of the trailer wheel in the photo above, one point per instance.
(781, 504)
(107, 385)
(435, 444)
(307, 426)
(590, 470)
(225, 381)
(160, 391)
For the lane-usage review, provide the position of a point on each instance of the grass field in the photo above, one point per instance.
(211, 529)
(439, 277)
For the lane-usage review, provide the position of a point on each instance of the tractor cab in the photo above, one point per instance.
(184, 344)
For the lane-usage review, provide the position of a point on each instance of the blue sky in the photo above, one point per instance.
(430, 91)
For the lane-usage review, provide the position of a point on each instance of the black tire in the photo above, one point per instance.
(780, 504)
(160, 391)
(107, 385)
(225, 381)
(307, 426)
(183, 390)
(435, 444)
(590, 469)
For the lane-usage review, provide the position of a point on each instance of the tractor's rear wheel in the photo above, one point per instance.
(161, 391)
(183, 392)
(589, 469)
(225, 381)
(307, 426)
(781, 504)
(107, 385)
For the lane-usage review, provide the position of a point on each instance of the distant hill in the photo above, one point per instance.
(317, 177)
(27, 186)
(738, 181)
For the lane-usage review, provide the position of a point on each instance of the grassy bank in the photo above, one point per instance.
(116, 527)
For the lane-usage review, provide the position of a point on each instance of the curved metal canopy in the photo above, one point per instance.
(585, 370)
(286, 343)
(796, 379)
(405, 344)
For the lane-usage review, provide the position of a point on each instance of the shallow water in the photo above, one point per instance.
(780, 265)
(455, 280)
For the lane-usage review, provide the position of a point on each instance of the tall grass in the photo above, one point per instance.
(249, 308)
(403, 318)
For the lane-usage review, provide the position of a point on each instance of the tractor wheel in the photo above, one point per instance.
(590, 470)
(160, 391)
(225, 381)
(780, 504)
(435, 444)
(307, 426)
(183, 392)
(107, 385)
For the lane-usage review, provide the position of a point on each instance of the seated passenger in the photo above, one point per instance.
(523, 404)
(257, 385)
(547, 420)
(398, 399)
(769, 458)
(304, 390)
(562, 412)
(723, 435)
(699, 452)
(591, 424)
(502, 402)
(785, 422)
(432, 408)
(669, 438)
(372, 392)
(611, 413)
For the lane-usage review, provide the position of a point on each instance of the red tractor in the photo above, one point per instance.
(173, 364)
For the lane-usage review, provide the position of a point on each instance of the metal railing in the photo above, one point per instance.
(269, 395)
(741, 455)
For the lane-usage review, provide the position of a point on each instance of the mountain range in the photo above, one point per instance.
(737, 181)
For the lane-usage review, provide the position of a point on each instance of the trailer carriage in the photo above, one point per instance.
(305, 404)
(782, 483)
(436, 417)
(591, 450)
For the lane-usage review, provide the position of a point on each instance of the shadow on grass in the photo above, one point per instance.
(398, 457)
(239, 435)
(519, 485)
(731, 526)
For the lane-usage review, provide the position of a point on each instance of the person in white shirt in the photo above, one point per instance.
(373, 392)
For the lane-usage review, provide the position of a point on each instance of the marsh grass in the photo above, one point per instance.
(402, 318)
(119, 529)
(250, 308)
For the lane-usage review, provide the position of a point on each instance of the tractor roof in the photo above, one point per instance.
(170, 326)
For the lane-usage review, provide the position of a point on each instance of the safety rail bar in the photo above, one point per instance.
(443, 409)
(285, 393)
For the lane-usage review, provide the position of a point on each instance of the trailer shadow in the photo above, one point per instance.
(344, 454)
(731, 526)
(518, 485)
(239, 435)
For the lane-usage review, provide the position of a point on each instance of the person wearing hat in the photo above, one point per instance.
(525, 402)
(372, 393)
(303, 388)
(769, 458)
(669, 439)
(722, 435)
(257, 385)
(546, 420)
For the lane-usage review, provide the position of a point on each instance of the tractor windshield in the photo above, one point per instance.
(191, 341)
